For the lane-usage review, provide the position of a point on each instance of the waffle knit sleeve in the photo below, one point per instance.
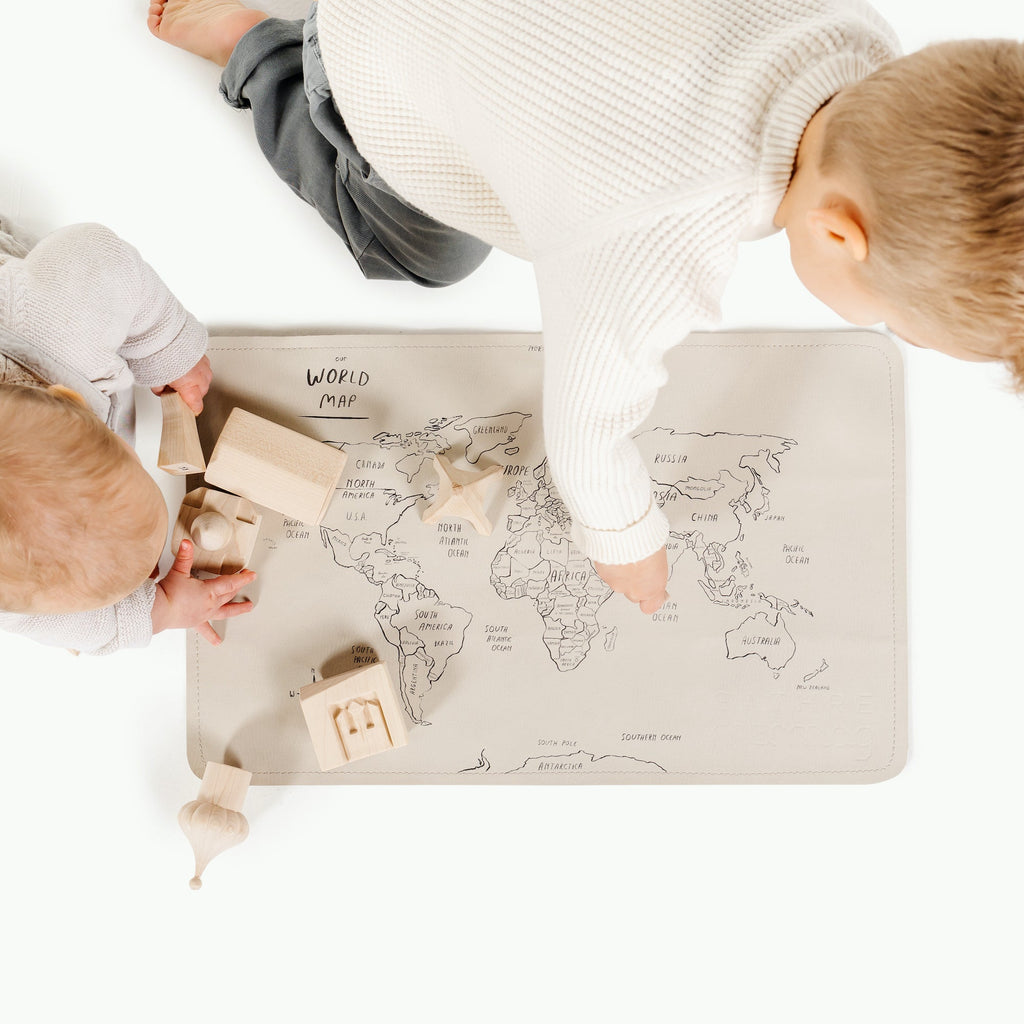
(103, 631)
(163, 340)
(611, 311)
(90, 299)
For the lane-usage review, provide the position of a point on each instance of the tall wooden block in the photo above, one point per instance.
(273, 466)
(180, 450)
(352, 716)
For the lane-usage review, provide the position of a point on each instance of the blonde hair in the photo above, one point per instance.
(77, 510)
(937, 139)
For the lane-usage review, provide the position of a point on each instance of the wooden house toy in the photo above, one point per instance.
(352, 716)
(273, 466)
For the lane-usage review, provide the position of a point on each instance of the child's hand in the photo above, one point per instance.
(184, 602)
(193, 386)
(642, 582)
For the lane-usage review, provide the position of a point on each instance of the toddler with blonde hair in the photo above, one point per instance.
(82, 524)
(626, 149)
(929, 154)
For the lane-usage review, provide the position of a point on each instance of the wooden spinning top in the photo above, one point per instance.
(214, 821)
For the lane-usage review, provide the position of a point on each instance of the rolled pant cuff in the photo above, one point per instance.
(253, 49)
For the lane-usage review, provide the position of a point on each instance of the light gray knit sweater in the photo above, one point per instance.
(84, 299)
(625, 147)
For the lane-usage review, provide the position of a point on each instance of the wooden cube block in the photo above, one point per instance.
(203, 515)
(280, 468)
(352, 716)
(224, 786)
(180, 450)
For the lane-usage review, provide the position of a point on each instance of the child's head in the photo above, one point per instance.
(907, 204)
(82, 524)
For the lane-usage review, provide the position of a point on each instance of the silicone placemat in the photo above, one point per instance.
(780, 657)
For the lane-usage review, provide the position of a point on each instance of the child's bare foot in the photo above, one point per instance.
(207, 28)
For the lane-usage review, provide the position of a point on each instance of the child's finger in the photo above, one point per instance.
(228, 586)
(649, 605)
(204, 629)
(183, 559)
(233, 608)
(192, 396)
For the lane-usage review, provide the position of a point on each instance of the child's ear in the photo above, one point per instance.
(842, 225)
(71, 396)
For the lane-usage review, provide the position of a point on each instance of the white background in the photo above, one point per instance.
(899, 901)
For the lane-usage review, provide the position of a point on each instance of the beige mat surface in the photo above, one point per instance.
(781, 656)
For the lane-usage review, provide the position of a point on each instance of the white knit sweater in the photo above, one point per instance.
(625, 147)
(84, 299)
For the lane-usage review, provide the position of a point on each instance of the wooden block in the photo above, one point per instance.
(462, 493)
(206, 517)
(352, 716)
(289, 472)
(223, 785)
(214, 821)
(180, 450)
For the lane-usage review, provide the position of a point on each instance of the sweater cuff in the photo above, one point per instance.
(175, 359)
(630, 544)
(134, 618)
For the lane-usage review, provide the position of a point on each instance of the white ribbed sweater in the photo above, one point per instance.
(625, 147)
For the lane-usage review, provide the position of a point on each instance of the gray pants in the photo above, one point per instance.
(276, 71)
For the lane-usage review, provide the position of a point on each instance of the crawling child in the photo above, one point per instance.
(626, 148)
(82, 524)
